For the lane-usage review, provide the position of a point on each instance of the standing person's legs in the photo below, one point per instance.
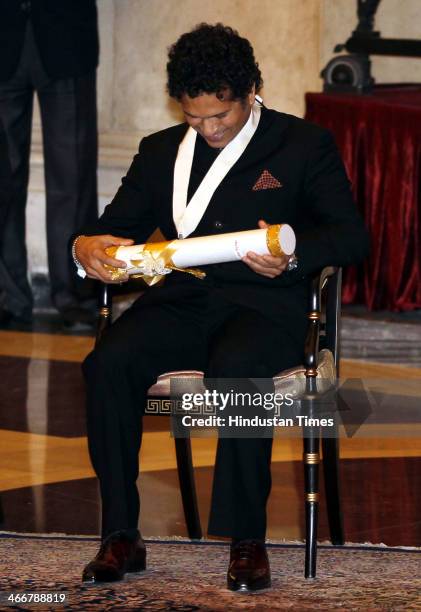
(16, 102)
(69, 124)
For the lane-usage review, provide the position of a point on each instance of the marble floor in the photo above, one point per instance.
(47, 483)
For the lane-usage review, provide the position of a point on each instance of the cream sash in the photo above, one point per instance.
(187, 217)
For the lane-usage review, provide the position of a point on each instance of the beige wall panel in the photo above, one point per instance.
(394, 19)
(284, 34)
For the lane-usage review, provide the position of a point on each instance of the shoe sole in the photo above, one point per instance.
(99, 577)
(243, 588)
(250, 591)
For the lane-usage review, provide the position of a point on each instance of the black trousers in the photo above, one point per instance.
(205, 333)
(68, 115)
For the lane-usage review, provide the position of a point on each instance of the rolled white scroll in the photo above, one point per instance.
(159, 258)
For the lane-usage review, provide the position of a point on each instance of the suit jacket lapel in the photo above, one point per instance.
(266, 139)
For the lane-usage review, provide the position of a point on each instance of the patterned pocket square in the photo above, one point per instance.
(266, 181)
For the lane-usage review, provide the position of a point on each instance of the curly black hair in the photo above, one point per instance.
(210, 59)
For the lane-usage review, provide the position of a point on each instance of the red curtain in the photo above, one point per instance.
(379, 136)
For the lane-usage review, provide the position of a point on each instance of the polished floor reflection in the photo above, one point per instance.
(47, 483)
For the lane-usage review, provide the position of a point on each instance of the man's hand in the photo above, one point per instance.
(90, 252)
(266, 265)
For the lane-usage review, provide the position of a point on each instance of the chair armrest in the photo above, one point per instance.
(311, 345)
(317, 282)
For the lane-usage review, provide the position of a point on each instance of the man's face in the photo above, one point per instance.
(217, 120)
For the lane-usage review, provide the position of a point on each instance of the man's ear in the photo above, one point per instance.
(251, 96)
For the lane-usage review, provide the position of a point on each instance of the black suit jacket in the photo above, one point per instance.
(314, 198)
(65, 31)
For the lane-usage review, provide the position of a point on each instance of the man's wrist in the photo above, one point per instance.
(80, 269)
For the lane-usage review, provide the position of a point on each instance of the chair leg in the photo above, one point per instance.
(105, 311)
(312, 519)
(311, 477)
(330, 449)
(188, 487)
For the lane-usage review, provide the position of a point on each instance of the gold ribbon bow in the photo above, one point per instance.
(159, 256)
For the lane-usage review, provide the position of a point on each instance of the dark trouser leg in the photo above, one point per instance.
(142, 344)
(68, 113)
(16, 98)
(241, 487)
(247, 346)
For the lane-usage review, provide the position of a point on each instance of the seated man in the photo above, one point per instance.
(245, 319)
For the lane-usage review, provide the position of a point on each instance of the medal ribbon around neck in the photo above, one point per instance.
(187, 217)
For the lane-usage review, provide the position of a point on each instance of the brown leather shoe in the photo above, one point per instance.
(249, 566)
(119, 553)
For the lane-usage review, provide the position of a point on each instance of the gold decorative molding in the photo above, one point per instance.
(312, 497)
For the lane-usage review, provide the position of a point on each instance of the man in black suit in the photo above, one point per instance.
(245, 319)
(49, 47)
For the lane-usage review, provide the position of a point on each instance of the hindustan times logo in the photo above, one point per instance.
(268, 401)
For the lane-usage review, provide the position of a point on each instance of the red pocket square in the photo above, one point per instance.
(266, 181)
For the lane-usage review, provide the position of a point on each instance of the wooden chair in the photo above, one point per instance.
(316, 376)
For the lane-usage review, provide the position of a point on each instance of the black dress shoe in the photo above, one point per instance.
(249, 566)
(120, 552)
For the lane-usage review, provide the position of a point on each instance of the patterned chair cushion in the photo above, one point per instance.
(292, 381)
